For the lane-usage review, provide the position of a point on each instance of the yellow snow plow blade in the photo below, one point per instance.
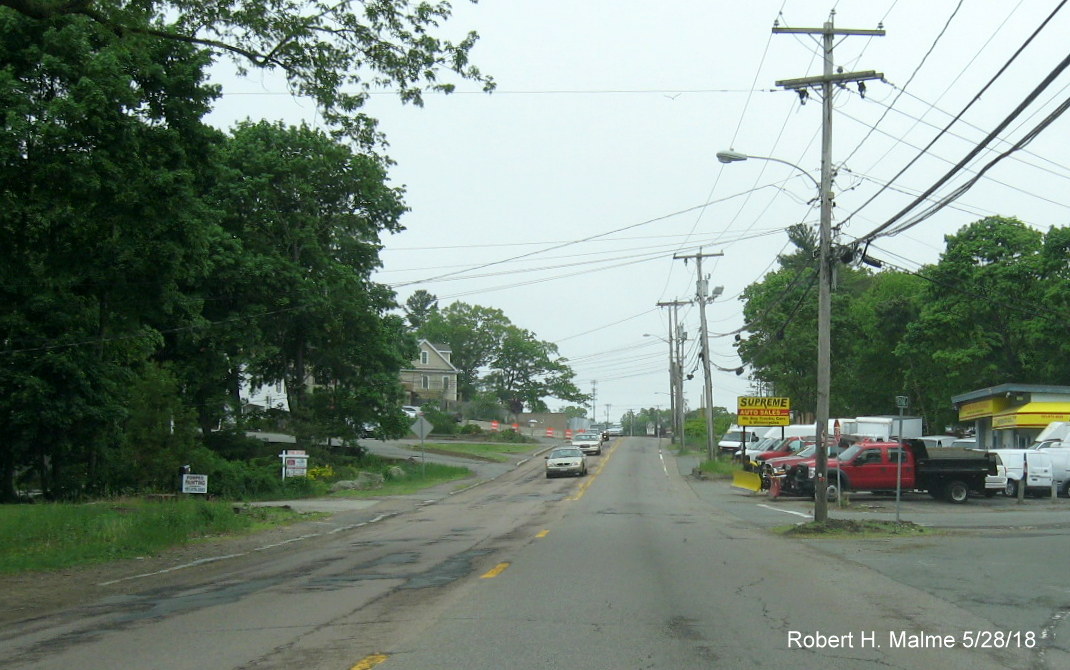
(750, 481)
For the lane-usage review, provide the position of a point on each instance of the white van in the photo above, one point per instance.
(1039, 470)
(732, 440)
(1059, 453)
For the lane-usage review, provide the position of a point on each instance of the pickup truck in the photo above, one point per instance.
(946, 473)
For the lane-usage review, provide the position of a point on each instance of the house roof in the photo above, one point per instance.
(446, 364)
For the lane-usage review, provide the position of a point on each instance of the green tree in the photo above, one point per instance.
(474, 335)
(526, 371)
(334, 52)
(308, 213)
(419, 308)
(573, 412)
(979, 324)
(101, 162)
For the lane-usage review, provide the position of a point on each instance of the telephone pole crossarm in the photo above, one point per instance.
(838, 78)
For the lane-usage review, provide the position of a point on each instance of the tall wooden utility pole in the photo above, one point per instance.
(676, 371)
(824, 296)
(702, 296)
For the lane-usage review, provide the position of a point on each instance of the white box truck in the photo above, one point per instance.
(885, 427)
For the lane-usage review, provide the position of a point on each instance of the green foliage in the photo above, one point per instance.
(420, 306)
(527, 370)
(484, 406)
(335, 55)
(152, 264)
(471, 429)
(511, 436)
(991, 311)
(474, 335)
(441, 422)
(54, 536)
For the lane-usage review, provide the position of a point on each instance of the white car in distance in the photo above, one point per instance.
(588, 443)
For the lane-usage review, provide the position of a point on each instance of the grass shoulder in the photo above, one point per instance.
(53, 536)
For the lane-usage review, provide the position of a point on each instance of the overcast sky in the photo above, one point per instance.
(562, 198)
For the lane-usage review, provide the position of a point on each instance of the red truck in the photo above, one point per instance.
(951, 474)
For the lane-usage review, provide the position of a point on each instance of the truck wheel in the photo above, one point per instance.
(1066, 489)
(1011, 489)
(957, 491)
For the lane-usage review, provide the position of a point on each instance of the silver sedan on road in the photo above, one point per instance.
(566, 461)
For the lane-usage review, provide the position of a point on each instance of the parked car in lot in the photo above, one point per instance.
(761, 446)
(411, 412)
(1037, 467)
(785, 447)
(566, 461)
(588, 443)
(783, 464)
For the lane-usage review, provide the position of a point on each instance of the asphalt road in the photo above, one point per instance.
(635, 566)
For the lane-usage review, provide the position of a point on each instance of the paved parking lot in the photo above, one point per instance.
(977, 512)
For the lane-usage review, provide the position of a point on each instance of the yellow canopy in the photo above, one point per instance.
(1031, 415)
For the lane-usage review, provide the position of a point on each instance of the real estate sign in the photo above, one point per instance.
(763, 411)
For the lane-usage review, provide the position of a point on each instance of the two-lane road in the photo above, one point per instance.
(625, 568)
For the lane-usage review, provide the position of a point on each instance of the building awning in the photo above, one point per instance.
(1031, 415)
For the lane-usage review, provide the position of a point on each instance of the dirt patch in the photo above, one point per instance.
(851, 527)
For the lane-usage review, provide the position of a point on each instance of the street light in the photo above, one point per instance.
(824, 320)
(736, 157)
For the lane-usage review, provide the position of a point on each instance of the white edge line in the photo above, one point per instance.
(785, 511)
(213, 559)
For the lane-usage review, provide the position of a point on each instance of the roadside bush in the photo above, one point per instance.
(512, 437)
(234, 445)
(304, 487)
(471, 429)
(441, 422)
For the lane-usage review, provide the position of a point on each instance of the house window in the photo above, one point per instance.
(423, 359)
(445, 383)
(425, 382)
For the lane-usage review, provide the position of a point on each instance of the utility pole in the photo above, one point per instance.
(594, 405)
(676, 372)
(824, 297)
(701, 295)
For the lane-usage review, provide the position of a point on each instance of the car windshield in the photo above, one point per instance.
(733, 436)
(849, 453)
(808, 451)
(565, 453)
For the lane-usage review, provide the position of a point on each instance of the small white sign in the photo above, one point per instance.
(195, 483)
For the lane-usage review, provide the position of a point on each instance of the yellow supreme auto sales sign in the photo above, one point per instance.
(752, 411)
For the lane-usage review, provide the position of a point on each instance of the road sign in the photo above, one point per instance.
(421, 427)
